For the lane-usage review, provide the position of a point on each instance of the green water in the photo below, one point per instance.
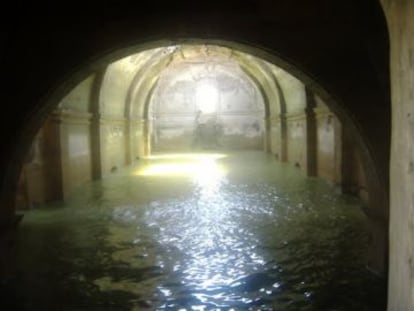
(234, 232)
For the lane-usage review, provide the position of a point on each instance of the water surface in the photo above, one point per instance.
(234, 231)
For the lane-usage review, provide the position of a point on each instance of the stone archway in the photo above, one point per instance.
(378, 204)
(315, 39)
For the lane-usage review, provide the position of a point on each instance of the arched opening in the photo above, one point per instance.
(210, 100)
(297, 123)
(268, 84)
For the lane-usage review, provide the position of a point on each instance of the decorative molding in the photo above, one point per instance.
(299, 116)
(218, 114)
(71, 117)
(322, 112)
(112, 121)
(134, 122)
(277, 118)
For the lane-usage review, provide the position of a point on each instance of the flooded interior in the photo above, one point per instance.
(197, 177)
(199, 231)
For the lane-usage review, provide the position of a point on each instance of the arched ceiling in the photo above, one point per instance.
(128, 83)
(340, 48)
(202, 84)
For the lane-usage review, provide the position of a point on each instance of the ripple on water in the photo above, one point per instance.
(258, 237)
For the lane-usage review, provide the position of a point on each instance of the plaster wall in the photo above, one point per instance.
(75, 146)
(326, 140)
(72, 126)
(60, 156)
(296, 141)
(66, 156)
(293, 90)
(182, 118)
(138, 110)
(113, 115)
(113, 132)
(135, 137)
(264, 77)
(73, 135)
(276, 137)
(115, 86)
(295, 100)
(79, 98)
(141, 122)
(292, 116)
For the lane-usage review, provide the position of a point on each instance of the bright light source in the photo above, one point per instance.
(208, 176)
(202, 168)
(204, 171)
(207, 97)
(186, 156)
(170, 169)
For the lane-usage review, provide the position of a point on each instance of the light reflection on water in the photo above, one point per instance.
(199, 232)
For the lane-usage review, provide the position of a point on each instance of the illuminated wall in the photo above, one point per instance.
(206, 105)
(187, 98)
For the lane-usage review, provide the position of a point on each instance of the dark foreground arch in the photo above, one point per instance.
(339, 49)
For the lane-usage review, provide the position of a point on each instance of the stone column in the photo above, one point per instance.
(96, 152)
(128, 142)
(400, 17)
(338, 152)
(311, 135)
(296, 140)
(326, 143)
(283, 138)
(267, 135)
(146, 138)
